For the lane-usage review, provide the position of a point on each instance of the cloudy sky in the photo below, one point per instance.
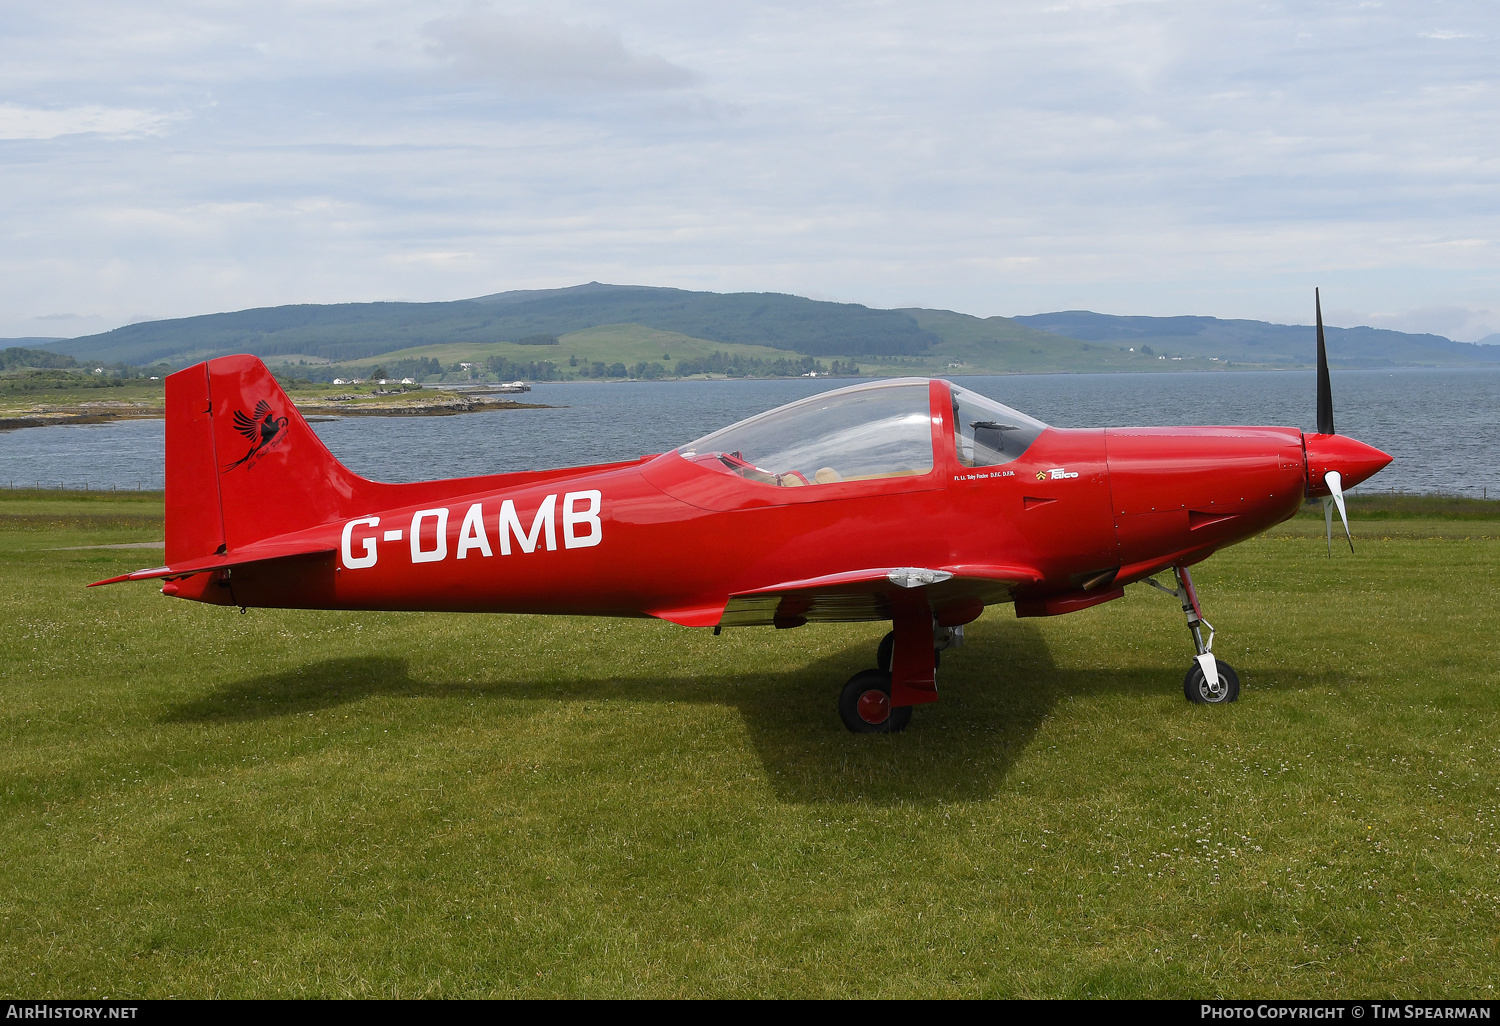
(171, 158)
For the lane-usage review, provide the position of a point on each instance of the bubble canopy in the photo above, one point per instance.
(987, 433)
(862, 433)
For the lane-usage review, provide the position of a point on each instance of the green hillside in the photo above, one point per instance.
(1264, 344)
(1003, 345)
(598, 330)
(625, 343)
(20, 358)
(358, 331)
(969, 345)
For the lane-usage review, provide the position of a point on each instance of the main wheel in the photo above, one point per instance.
(885, 652)
(865, 705)
(1195, 685)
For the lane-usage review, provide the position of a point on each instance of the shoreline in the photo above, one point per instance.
(314, 409)
(451, 402)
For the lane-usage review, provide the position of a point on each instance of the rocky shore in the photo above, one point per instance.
(93, 411)
(104, 411)
(438, 406)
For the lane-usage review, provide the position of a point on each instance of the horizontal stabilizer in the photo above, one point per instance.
(248, 554)
(696, 616)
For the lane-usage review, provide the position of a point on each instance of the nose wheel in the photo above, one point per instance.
(1225, 689)
(865, 704)
(1210, 681)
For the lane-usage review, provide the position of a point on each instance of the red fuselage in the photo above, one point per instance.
(1076, 517)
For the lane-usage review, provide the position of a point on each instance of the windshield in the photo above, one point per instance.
(987, 433)
(853, 434)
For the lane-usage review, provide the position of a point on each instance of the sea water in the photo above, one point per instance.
(1442, 426)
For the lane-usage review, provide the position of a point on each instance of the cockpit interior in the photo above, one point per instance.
(865, 432)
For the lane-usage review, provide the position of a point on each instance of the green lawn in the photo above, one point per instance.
(202, 803)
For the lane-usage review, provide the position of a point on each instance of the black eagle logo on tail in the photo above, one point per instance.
(261, 428)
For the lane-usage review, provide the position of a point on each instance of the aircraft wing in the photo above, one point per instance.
(247, 554)
(860, 595)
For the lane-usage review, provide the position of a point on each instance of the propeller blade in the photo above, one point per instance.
(1325, 389)
(1335, 482)
(1328, 519)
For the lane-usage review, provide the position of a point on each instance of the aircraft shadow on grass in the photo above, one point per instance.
(996, 693)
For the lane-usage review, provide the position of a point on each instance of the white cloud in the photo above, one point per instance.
(538, 49)
(18, 122)
(1456, 322)
(1156, 158)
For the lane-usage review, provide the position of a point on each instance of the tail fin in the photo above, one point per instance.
(242, 464)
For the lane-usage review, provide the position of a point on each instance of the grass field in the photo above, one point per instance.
(201, 803)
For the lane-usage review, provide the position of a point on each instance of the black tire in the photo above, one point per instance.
(861, 710)
(1194, 686)
(886, 652)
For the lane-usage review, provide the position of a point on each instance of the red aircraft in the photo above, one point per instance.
(910, 500)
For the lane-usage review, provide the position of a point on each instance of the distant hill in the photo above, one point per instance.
(631, 323)
(1259, 342)
(17, 357)
(355, 331)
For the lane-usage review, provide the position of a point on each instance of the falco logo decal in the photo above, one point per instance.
(261, 429)
(1055, 474)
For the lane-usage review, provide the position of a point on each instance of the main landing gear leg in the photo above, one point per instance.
(1210, 680)
(879, 701)
(942, 638)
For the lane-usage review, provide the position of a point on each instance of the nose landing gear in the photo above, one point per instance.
(1210, 681)
(1226, 687)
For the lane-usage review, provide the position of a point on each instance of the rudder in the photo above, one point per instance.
(242, 463)
(195, 522)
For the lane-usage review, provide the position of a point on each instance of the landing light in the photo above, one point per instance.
(915, 577)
